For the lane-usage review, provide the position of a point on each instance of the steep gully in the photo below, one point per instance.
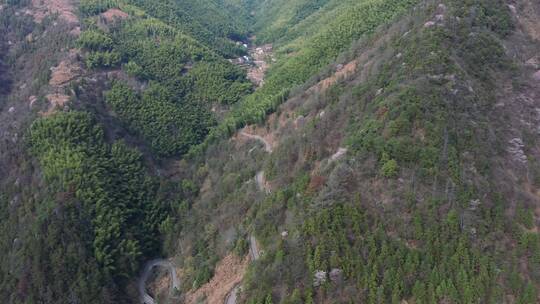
(256, 73)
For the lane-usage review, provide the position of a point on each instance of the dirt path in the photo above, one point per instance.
(267, 145)
(144, 296)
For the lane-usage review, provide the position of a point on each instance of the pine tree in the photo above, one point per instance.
(396, 294)
(309, 297)
(268, 299)
(419, 292)
(295, 297)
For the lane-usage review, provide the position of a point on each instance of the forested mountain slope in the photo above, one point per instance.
(401, 172)
(206, 21)
(81, 206)
(391, 154)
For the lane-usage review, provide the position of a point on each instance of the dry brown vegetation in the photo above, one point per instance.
(528, 17)
(64, 8)
(66, 71)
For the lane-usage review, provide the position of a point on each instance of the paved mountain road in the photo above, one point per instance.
(254, 249)
(145, 297)
(232, 296)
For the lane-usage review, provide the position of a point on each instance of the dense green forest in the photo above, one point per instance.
(186, 78)
(390, 155)
(109, 199)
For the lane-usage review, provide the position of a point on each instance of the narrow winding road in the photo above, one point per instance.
(261, 182)
(233, 295)
(145, 297)
(255, 254)
(267, 145)
(254, 248)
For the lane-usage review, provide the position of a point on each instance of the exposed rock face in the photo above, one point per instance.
(516, 150)
(336, 275)
(319, 278)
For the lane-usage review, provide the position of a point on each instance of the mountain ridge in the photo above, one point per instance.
(391, 154)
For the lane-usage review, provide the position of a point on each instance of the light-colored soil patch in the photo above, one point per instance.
(342, 72)
(228, 274)
(207, 185)
(66, 71)
(57, 100)
(62, 75)
(114, 14)
(532, 230)
(64, 8)
(528, 17)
